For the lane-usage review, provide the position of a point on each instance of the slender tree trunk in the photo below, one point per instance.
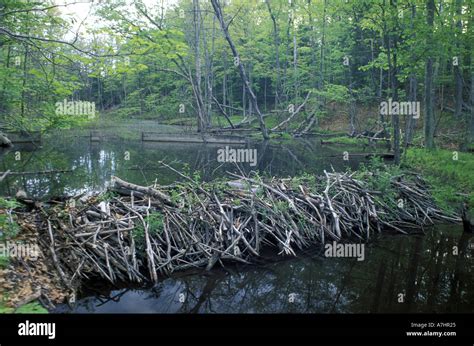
(372, 69)
(276, 42)
(23, 87)
(265, 95)
(209, 75)
(395, 117)
(457, 69)
(202, 108)
(3, 101)
(412, 94)
(352, 108)
(391, 38)
(244, 98)
(224, 81)
(323, 39)
(295, 58)
(286, 78)
(250, 112)
(243, 75)
(471, 112)
(429, 103)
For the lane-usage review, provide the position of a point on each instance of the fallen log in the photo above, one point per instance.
(4, 175)
(52, 171)
(293, 114)
(121, 185)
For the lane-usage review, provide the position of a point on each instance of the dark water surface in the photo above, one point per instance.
(422, 270)
(93, 163)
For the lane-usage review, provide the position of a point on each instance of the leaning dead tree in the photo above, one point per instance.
(134, 233)
(238, 62)
(293, 114)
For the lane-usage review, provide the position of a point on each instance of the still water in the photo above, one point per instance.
(417, 273)
(428, 272)
(92, 164)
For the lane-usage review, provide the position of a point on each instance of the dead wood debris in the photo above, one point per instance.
(142, 232)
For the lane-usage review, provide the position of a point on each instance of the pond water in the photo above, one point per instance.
(93, 163)
(422, 270)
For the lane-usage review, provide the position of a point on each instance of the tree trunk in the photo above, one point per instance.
(295, 58)
(202, 108)
(352, 108)
(395, 117)
(429, 104)
(323, 38)
(392, 84)
(412, 94)
(457, 69)
(471, 112)
(243, 75)
(276, 41)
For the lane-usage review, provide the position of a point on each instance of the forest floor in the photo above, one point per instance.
(25, 282)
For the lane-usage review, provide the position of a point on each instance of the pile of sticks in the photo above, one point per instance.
(136, 233)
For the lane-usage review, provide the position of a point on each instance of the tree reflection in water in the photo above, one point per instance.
(422, 268)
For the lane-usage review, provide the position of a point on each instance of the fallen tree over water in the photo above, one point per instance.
(134, 233)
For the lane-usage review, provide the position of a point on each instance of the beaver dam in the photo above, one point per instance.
(135, 233)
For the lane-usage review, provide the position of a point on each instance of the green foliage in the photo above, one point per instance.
(8, 203)
(175, 196)
(378, 177)
(155, 223)
(107, 196)
(452, 180)
(8, 225)
(280, 206)
(150, 65)
(334, 92)
(197, 177)
(4, 261)
(30, 308)
(305, 179)
(155, 226)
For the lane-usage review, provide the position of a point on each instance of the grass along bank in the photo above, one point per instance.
(450, 174)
